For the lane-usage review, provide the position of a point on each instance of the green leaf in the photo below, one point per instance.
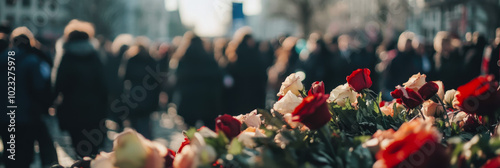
(235, 147)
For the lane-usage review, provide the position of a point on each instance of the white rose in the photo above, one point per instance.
(188, 158)
(207, 155)
(130, 152)
(246, 137)
(340, 93)
(449, 96)
(251, 119)
(431, 108)
(103, 160)
(460, 116)
(288, 119)
(207, 132)
(415, 82)
(292, 83)
(288, 103)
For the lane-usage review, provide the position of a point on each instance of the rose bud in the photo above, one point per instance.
(428, 90)
(479, 96)
(359, 79)
(313, 111)
(415, 82)
(229, 125)
(317, 87)
(410, 98)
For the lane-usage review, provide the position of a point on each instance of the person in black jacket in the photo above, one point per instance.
(199, 83)
(141, 86)
(31, 84)
(494, 63)
(81, 86)
(249, 72)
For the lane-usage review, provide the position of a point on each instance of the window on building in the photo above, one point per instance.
(11, 2)
(26, 3)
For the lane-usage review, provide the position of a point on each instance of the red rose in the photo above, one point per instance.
(492, 163)
(229, 125)
(479, 96)
(410, 98)
(317, 87)
(186, 142)
(313, 111)
(413, 145)
(360, 79)
(169, 158)
(428, 90)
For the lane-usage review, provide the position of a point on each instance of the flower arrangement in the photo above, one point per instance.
(424, 126)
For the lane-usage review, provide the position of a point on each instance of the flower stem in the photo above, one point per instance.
(325, 135)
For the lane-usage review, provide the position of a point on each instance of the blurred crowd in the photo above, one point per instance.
(85, 79)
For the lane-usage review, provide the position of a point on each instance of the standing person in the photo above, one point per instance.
(199, 83)
(473, 58)
(249, 73)
(32, 88)
(448, 62)
(494, 63)
(114, 83)
(81, 86)
(405, 64)
(137, 76)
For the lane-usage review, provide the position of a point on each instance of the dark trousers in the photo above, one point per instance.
(24, 143)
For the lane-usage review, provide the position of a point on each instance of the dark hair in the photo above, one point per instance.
(77, 35)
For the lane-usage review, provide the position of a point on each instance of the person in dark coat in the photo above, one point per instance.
(249, 72)
(81, 86)
(448, 62)
(141, 86)
(199, 83)
(114, 83)
(405, 64)
(32, 93)
(494, 63)
(473, 58)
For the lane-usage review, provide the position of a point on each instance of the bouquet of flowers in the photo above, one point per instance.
(424, 126)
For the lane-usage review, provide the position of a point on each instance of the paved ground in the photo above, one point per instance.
(167, 129)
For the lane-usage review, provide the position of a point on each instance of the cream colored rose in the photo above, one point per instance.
(455, 103)
(289, 120)
(341, 93)
(459, 117)
(251, 119)
(288, 103)
(188, 158)
(449, 96)
(440, 92)
(387, 110)
(130, 152)
(195, 154)
(103, 160)
(415, 82)
(246, 137)
(292, 83)
(431, 109)
(207, 155)
(207, 132)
